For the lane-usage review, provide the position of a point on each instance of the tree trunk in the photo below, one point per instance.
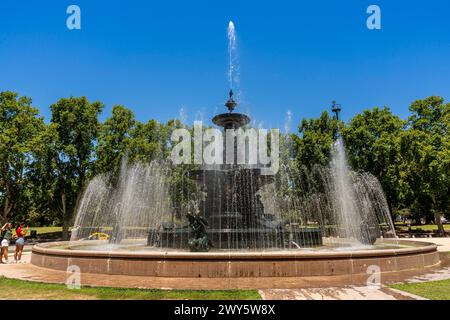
(65, 227)
(437, 218)
(65, 232)
(438, 221)
(7, 207)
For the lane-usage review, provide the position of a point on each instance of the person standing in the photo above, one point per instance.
(7, 236)
(20, 242)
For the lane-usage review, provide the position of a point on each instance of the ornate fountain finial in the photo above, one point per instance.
(231, 104)
(336, 108)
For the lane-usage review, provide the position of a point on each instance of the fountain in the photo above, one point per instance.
(233, 209)
(322, 221)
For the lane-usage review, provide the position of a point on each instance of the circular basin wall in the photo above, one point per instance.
(236, 264)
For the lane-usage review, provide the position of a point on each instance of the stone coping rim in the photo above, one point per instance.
(421, 247)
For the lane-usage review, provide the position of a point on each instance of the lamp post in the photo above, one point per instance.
(336, 108)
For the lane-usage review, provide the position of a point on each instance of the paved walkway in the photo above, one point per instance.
(27, 271)
(364, 293)
(26, 255)
(338, 293)
(355, 292)
(285, 288)
(442, 274)
(442, 243)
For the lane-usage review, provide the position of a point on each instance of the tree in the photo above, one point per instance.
(147, 141)
(65, 159)
(313, 145)
(372, 141)
(425, 148)
(151, 140)
(114, 139)
(19, 124)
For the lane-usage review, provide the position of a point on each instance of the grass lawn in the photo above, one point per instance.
(42, 230)
(426, 227)
(25, 290)
(433, 290)
(399, 225)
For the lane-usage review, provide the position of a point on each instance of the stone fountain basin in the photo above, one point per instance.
(295, 263)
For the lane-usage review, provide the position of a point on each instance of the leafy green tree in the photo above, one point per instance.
(147, 141)
(114, 139)
(183, 188)
(372, 142)
(19, 124)
(152, 140)
(65, 159)
(313, 145)
(425, 149)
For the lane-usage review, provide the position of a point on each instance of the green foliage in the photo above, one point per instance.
(65, 157)
(313, 145)
(410, 158)
(433, 290)
(44, 167)
(114, 139)
(425, 153)
(19, 124)
(372, 141)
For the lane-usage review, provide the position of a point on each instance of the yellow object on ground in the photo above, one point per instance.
(99, 236)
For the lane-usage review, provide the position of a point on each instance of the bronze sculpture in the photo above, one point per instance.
(200, 241)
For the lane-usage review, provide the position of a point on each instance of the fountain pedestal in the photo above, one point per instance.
(233, 208)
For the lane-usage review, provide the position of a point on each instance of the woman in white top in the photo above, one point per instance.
(6, 239)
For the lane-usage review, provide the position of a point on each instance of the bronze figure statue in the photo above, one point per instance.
(200, 241)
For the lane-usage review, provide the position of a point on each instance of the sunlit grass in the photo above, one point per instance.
(427, 227)
(433, 290)
(26, 290)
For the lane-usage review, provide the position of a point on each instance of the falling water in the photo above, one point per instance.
(343, 195)
(288, 122)
(127, 207)
(233, 63)
(286, 144)
(349, 208)
(357, 200)
(182, 114)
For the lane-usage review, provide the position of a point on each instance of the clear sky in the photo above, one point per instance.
(158, 57)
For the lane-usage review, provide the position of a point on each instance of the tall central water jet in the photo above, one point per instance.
(233, 63)
(233, 207)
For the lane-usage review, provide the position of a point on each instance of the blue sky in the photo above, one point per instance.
(157, 57)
